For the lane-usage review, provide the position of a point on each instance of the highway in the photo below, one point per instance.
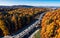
(27, 31)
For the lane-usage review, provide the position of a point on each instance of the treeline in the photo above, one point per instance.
(51, 24)
(13, 20)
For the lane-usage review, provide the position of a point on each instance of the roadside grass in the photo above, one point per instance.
(37, 35)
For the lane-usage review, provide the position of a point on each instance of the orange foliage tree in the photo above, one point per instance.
(51, 25)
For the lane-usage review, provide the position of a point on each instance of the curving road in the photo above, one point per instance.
(27, 31)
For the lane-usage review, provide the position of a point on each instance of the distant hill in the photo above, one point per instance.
(26, 6)
(16, 6)
(49, 6)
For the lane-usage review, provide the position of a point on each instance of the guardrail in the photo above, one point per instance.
(34, 33)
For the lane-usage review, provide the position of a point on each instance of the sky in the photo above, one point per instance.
(30, 2)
